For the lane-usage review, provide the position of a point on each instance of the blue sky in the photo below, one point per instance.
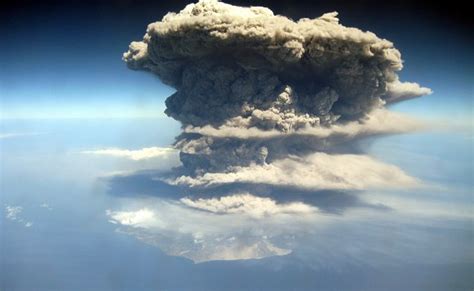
(67, 63)
(64, 60)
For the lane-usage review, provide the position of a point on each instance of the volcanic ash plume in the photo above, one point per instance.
(253, 87)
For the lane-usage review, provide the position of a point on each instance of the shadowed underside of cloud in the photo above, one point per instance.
(145, 184)
(229, 222)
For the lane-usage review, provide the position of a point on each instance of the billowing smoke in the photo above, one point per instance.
(253, 87)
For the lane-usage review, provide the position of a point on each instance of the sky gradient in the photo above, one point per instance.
(63, 59)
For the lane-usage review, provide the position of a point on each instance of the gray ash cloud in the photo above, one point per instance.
(248, 69)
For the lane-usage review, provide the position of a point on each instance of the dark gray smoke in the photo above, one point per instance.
(246, 69)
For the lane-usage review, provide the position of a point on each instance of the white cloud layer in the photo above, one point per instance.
(379, 121)
(248, 204)
(316, 171)
(136, 155)
(399, 91)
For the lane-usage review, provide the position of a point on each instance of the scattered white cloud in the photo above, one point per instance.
(45, 206)
(14, 213)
